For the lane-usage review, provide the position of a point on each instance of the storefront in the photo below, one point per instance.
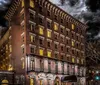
(44, 71)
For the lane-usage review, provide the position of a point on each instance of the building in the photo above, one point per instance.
(43, 44)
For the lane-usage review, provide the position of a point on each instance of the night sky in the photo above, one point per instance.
(87, 11)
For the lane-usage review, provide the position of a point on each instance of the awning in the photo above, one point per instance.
(71, 78)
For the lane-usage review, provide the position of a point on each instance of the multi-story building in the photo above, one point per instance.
(43, 43)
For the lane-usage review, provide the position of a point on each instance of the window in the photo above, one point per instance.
(62, 48)
(73, 27)
(32, 27)
(23, 64)
(32, 3)
(41, 41)
(49, 53)
(55, 17)
(22, 38)
(40, 9)
(41, 31)
(55, 27)
(41, 52)
(23, 50)
(22, 17)
(10, 48)
(32, 49)
(56, 37)
(61, 20)
(48, 13)
(62, 57)
(56, 55)
(73, 60)
(67, 49)
(56, 46)
(40, 20)
(32, 38)
(48, 33)
(73, 43)
(48, 24)
(48, 44)
(22, 3)
(62, 30)
(72, 51)
(32, 16)
(66, 33)
(62, 39)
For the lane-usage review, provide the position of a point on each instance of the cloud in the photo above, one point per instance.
(3, 4)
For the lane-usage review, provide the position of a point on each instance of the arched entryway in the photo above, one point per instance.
(57, 81)
(5, 82)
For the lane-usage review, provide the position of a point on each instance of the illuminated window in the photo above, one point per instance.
(41, 31)
(32, 38)
(10, 48)
(73, 27)
(73, 43)
(32, 3)
(48, 33)
(55, 27)
(41, 52)
(49, 53)
(23, 64)
(31, 81)
(73, 60)
(22, 3)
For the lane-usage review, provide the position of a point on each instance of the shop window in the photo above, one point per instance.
(55, 27)
(49, 53)
(31, 81)
(73, 27)
(48, 33)
(32, 4)
(32, 38)
(41, 52)
(23, 3)
(41, 30)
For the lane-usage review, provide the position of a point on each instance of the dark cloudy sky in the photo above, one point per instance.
(87, 11)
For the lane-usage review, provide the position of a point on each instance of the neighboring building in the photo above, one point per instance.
(43, 43)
